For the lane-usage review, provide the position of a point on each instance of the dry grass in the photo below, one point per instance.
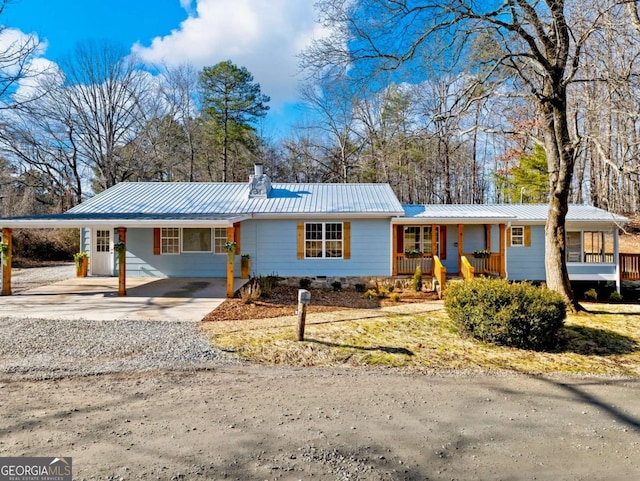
(605, 340)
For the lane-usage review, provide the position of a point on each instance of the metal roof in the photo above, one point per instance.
(233, 198)
(534, 213)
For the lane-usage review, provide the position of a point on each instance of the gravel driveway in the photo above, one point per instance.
(28, 278)
(46, 349)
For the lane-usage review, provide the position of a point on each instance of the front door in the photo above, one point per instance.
(102, 255)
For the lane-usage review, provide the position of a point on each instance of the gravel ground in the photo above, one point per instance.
(46, 349)
(49, 349)
(30, 277)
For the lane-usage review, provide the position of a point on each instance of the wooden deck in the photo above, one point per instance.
(630, 267)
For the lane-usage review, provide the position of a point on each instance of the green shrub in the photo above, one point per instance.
(361, 287)
(371, 294)
(395, 297)
(518, 315)
(336, 285)
(383, 292)
(417, 279)
(305, 283)
(591, 295)
(615, 296)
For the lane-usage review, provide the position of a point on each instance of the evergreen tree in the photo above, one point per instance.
(233, 101)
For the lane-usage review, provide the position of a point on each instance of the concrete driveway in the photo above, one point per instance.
(96, 298)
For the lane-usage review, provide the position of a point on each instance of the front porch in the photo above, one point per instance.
(415, 245)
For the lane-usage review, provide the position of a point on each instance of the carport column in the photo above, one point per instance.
(231, 237)
(6, 262)
(503, 251)
(122, 261)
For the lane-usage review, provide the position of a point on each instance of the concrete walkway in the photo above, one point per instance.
(96, 298)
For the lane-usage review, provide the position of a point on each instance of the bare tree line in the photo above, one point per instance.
(104, 119)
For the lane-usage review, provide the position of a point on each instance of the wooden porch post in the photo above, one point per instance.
(460, 246)
(503, 250)
(434, 242)
(6, 263)
(122, 262)
(487, 233)
(230, 262)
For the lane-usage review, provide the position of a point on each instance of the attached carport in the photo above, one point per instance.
(119, 223)
(95, 298)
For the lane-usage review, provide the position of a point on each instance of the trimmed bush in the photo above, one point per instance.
(517, 315)
(591, 295)
(615, 296)
(417, 279)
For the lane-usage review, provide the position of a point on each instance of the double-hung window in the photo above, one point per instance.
(418, 239)
(219, 240)
(324, 240)
(170, 240)
(517, 235)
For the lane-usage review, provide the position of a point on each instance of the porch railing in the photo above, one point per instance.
(407, 265)
(594, 258)
(630, 267)
(466, 269)
(440, 273)
(485, 265)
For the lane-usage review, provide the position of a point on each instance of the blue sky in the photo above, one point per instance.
(262, 35)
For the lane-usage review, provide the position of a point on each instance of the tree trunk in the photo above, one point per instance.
(561, 160)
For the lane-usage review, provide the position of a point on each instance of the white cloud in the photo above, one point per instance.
(265, 36)
(31, 72)
(41, 74)
(12, 42)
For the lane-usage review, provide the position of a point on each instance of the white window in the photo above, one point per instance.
(323, 239)
(219, 240)
(196, 239)
(417, 240)
(103, 240)
(170, 240)
(517, 235)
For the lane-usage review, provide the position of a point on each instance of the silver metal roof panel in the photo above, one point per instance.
(535, 213)
(233, 198)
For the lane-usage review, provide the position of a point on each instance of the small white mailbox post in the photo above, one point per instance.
(304, 299)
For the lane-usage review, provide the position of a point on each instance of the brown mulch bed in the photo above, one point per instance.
(283, 302)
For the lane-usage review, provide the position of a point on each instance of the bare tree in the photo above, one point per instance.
(334, 108)
(109, 96)
(16, 56)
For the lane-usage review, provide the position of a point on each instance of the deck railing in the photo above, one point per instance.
(407, 265)
(466, 269)
(630, 267)
(440, 273)
(485, 265)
